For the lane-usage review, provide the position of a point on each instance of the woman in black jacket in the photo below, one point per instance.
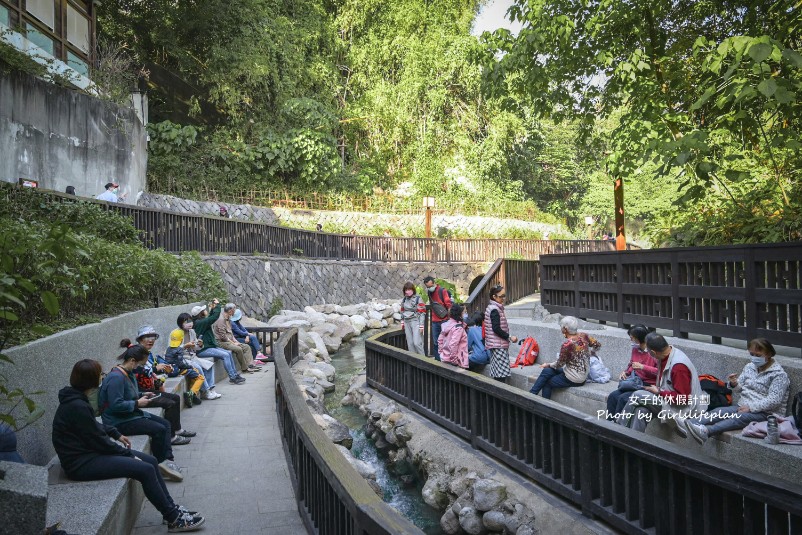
(88, 451)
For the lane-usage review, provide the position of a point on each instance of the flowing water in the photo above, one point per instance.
(349, 361)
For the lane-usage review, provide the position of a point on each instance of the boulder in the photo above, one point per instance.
(391, 438)
(313, 316)
(344, 328)
(292, 314)
(359, 324)
(470, 520)
(375, 324)
(351, 310)
(525, 529)
(396, 307)
(460, 483)
(387, 312)
(327, 386)
(403, 434)
(329, 309)
(365, 470)
(324, 329)
(373, 315)
(319, 345)
(337, 431)
(397, 316)
(384, 324)
(449, 523)
(332, 343)
(376, 488)
(433, 495)
(283, 322)
(316, 405)
(328, 369)
(320, 375)
(494, 520)
(488, 493)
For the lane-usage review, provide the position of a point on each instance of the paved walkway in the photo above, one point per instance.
(235, 472)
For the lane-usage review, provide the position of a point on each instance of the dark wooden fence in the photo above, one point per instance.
(633, 482)
(333, 499)
(519, 278)
(209, 234)
(739, 292)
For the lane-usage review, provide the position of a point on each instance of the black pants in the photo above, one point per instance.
(145, 471)
(157, 428)
(171, 403)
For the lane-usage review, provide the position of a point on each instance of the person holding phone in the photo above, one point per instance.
(121, 404)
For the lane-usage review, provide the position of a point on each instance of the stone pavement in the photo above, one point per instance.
(235, 472)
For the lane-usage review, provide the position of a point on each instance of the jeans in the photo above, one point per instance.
(640, 408)
(616, 402)
(171, 403)
(437, 327)
(717, 421)
(221, 354)
(252, 341)
(157, 428)
(550, 379)
(145, 471)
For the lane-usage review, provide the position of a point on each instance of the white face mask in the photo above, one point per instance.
(188, 325)
(758, 361)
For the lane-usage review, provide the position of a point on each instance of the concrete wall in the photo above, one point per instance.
(254, 282)
(45, 365)
(361, 222)
(62, 138)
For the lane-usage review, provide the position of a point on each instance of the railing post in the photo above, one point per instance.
(577, 295)
(750, 284)
(473, 407)
(587, 464)
(619, 272)
(676, 305)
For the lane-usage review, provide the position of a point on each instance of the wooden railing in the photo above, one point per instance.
(519, 278)
(739, 292)
(209, 234)
(635, 483)
(333, 499)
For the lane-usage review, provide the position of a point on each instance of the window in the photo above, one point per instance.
(44, 10)
(39, 39)
(77, 29)
(5, 17)
(78, 64)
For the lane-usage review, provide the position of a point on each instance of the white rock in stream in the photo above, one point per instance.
(365, 470)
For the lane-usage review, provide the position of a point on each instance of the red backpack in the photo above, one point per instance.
(529, 352)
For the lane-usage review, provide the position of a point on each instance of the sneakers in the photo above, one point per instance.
(698, 432)
(195, 399)
(181, 511)
(178, 440)
(681, 427)
(261, 356)
(171, 471)
(185, 522)
(210, 394)
(185, 433)
(188, 399)
(238, 380)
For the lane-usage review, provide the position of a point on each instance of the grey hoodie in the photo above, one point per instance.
(766, 391)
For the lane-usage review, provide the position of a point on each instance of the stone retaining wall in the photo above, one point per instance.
(254, 282)
(362, 223)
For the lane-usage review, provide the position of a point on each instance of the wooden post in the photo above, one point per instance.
(620, 237)
(428, 222)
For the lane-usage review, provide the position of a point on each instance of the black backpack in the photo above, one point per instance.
(720, 395)
(796, 412)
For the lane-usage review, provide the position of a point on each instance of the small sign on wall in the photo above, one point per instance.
(27, 183)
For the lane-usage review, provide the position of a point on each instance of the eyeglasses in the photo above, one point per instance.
(501, 296)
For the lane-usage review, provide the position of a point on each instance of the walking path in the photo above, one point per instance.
(235, 472)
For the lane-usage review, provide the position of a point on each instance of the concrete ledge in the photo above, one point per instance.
(781, 461)
(23, 498)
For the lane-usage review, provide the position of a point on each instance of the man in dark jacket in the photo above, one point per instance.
(438, 296)
(202, 322)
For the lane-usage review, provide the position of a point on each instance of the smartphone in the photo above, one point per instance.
(156, 396)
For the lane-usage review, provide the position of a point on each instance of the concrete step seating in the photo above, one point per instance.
(108, 507)
(782, 461)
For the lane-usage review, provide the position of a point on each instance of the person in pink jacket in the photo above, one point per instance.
(453, 339)
(642, 371)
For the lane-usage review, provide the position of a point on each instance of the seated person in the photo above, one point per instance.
(87, 449)
(641, 371)
(676, 393)
(184, 342)
(242, 336)
(203, 319)
(224, 338)
(478, 354)
(573, 363)
(764, 388)
(453, 340)
(120, 404)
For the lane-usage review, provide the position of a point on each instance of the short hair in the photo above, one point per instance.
(409, 286)
(477, 318)
(763, 345)
(455, 312)
(182, 319)
(495, 290)
(428, 279)
(85, 374)
(656, 342)
(570, 324)
(638, 332)
(229, 307)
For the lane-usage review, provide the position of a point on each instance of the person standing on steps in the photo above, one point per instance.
(413, 316)
(440, 301)
(497, 335)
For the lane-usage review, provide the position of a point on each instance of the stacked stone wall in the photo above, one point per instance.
(255, 282)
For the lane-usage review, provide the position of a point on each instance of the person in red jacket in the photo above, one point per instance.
(642, 371)
(438, 296)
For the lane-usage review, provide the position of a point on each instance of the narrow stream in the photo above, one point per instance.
(349, 361)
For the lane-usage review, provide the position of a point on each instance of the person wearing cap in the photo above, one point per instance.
(224, 336)
(184, 343)
(243, 336)
(110, 195)
(202, 322)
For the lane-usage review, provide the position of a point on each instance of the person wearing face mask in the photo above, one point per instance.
(642, 370)
(440, 301)
(110, 195)
(764, 388)
(413, 316)
(184, 342)
(497, 334)
(573, 362)
(90, 451)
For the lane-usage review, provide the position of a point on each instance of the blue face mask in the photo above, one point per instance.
(758, 361)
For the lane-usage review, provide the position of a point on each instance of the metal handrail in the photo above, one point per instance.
(333, 499)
